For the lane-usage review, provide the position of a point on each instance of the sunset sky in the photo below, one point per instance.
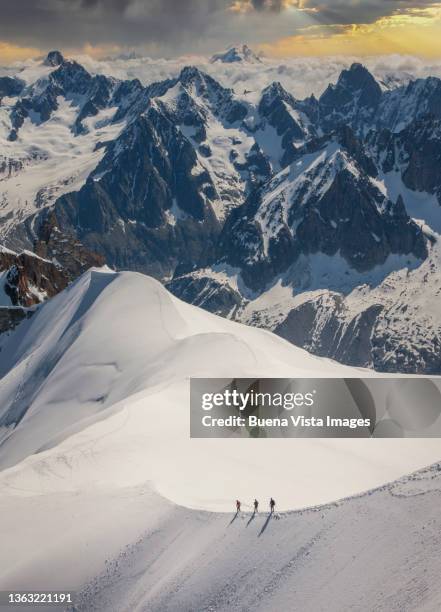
(279, 28)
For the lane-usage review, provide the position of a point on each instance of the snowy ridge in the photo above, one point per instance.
(91, 414)
(261, 563)
(103, 410)
(55, 361)
(66, 383)
(310, 177)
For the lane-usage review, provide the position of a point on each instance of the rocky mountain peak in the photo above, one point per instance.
(355, 77)
(346, 137)
(275, 91)
(72, 77)
(358, 79)
(190, 75)
(219, 99)
(54, 58)
(194, 79)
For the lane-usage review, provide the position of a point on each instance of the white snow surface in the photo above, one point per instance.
(102, 372)
(64, 366)
(101, 376)
(47, 161)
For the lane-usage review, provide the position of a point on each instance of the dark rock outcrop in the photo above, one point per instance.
(207, 293)
(54, 58)
(11, 317)
(72, 257)
(10, 86)
(353, 100)
(320, 326)
(30, 279)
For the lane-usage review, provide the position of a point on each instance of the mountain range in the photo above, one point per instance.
(316, 218)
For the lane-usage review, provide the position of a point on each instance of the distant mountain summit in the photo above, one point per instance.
(54, 58)
(241, 53)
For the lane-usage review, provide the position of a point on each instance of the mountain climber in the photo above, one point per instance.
(256, 506)
(272, 504)
(237, 505)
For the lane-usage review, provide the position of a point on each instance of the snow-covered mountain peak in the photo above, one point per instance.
(240, 53)
(273, 91)
(199, 82)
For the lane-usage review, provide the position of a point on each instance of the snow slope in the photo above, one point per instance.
(115, 351)
(109, 360)
(99, 377)
(64, 366)
(379, 551)
(48, 161)
(129, 550)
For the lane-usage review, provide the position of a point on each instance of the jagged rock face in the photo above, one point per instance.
(391, 354)
(207, 293)
(414, 154)
(402, 106)
(348, 341)
(65, 249)
(10, 86)
(357, 100)
(54, 58)
(293, 120)
(148, 196)
(389, 337)
(30, 279)
(256, 166)
(11, 317)
(220, 100)
(352, 101)
(325, 202)
(421, 142)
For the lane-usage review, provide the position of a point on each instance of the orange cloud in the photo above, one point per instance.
(99, 51)
(416, 32)
(12, 53)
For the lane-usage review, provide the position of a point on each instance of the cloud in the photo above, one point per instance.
(10, 52)
(72, 23)
(170, 27)
(299, 75)
(340, 12)
(270, 5)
